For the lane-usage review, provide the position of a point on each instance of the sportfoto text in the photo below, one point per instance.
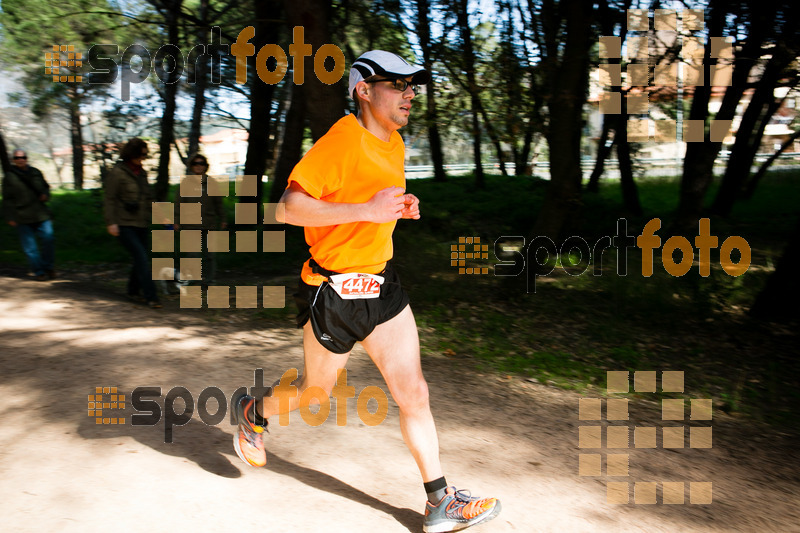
(148, 410)
(514, 254)
(168, 62)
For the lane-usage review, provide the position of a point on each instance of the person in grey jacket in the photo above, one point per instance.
(128, 210)
(25, 192)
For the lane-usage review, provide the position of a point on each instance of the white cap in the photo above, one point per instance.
(385, 64)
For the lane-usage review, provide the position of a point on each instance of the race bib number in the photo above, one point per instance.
(356, 286)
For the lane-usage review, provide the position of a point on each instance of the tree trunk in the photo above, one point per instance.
(292, 146)
(533, 125)
(498, 148)
(603, 151)
(753, 183)
(48, 142)
(511, 123)
(567, 80)
(5, 161)
(431, 116)
(260, 99)
(630, 194)
(522, 157)
(165, 141)
(468, 54)
(608, 21)
(434, 139)
(748, 138)
(200, 82)
(480, 179)
(698, 165)
(325, 104)
(76, 137)
(171, 11)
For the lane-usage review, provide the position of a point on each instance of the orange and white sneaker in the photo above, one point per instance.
(247, 440)
(458, 510)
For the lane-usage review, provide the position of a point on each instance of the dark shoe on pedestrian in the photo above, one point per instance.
(40, 277)
(154, 304)
(51, 274)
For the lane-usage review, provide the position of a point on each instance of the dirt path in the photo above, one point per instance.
(59, 471)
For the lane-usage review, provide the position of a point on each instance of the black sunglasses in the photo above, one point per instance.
(20, 157)
(198, 163)
(399, 84)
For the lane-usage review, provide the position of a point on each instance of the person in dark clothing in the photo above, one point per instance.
(212, 216)
(128, 208)
(25, 193)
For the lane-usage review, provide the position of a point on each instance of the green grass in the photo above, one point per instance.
(563, 330)
(573, 329)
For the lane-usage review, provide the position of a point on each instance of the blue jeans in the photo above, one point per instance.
(136, 241)
(27, 236)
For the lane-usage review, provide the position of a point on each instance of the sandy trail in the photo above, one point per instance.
(501, 436)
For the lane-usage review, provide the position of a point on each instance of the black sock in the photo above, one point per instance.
(255, 417)
(436, 490)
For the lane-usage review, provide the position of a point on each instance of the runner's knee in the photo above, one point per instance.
(412, 395)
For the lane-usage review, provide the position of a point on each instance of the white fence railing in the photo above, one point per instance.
(663, 166)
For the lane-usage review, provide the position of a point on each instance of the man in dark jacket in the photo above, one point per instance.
(25, 192)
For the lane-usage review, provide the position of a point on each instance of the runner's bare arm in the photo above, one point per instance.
(302, 209)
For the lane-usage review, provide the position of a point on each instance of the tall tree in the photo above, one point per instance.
(699, 160)
(612, 23)
(431, 113)
(32, 29)
(325, 102)
(5, 162)
(469, 66)
(752, 183)
(516, 110)
(199, 76)
(292, 145)
(422, 15)
(563, 35)
(780, 69)
(170, 12)
(261, 93)
(313, 99)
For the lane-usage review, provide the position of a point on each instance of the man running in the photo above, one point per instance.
(348, 193)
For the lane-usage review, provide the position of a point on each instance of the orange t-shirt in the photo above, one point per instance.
(349, 165)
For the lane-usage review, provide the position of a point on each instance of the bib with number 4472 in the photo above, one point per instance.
(356, 286)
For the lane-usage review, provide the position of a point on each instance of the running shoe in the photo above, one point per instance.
(458, 510)
(247, 440)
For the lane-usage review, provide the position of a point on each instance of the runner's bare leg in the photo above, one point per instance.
(394, 347)
(320, 370)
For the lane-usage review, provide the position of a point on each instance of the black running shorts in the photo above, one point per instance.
(338, 324)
